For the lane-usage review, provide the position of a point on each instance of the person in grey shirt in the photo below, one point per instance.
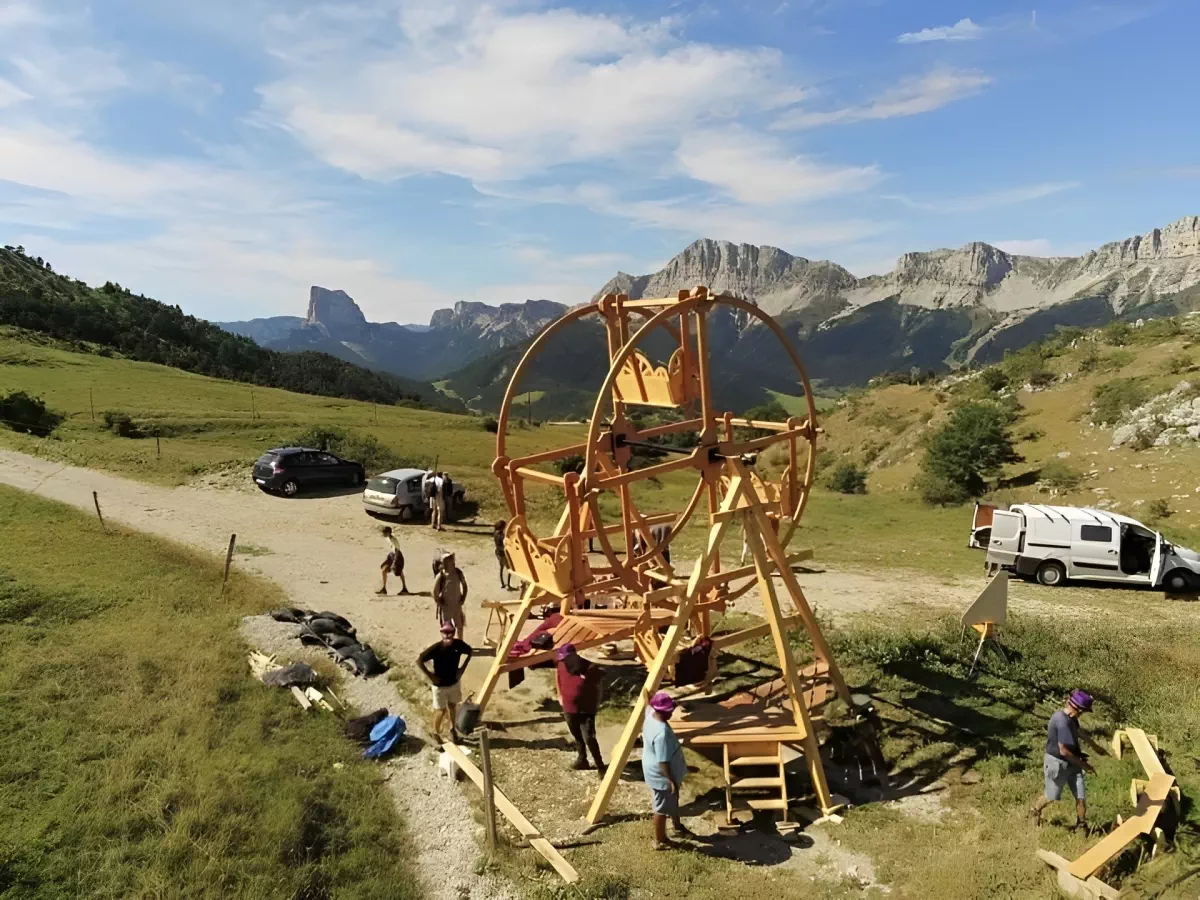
(1064, 763)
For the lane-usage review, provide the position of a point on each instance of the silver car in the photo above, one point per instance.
(396, 494)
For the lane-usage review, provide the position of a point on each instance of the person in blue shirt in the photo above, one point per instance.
(663, 768)
(1064, 762)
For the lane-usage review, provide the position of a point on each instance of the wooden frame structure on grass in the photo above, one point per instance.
(645, 599)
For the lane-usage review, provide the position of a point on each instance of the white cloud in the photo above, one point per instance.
(962, 30)
(488, 95)
(989, 200)
(10, 94)
(755, 169)
(909, 97)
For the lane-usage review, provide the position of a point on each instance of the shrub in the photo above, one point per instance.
(993, 378)
(1111, 400)
(1159, 509)
(28, 414)
(974, 445)
(1031, 434)
(938, 491)
(848, 479)
(572, 463)
(360, 448)
(1058, 475)
(1041, 378)
(121, 424)
(1090, 360)
(1116, 333)
(491, 424)
(1178, 363)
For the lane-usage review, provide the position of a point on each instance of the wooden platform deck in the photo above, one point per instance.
(591, 628)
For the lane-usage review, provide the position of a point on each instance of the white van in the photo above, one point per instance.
(1057, 543)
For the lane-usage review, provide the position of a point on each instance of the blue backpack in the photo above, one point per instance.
(384, 737)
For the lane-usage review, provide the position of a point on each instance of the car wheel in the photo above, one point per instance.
(1178, 582)
(406, 514)
(1051, 573)
(289, 488)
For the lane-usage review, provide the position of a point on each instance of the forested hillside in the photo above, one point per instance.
(35, 297)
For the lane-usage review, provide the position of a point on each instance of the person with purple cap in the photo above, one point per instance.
(663, 768)
(578, 684)
(450, 657)
(1064, 762)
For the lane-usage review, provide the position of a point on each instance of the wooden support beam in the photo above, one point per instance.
(665, 657)
(531, 594)
(1142, 822)
(527, 829)
(783, 650)
(721, 641)
(538, 475)
(771, 544)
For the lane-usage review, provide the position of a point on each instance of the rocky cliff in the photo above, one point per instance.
(455, 337)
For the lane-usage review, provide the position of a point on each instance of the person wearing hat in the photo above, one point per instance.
(1064, 763)
(663, 768)
(393, 563)
(578, 683)
(450, 657)
(450, 595)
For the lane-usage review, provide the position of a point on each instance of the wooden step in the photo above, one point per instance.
(747, 784)
(754, 761)
(759, 803)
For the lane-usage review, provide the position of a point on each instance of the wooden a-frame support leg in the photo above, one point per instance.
(619, 755)
(783, 650)
(778, 555)
(532, 593)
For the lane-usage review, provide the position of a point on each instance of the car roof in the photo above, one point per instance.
(1083, 514)
(288, 451)
(401, 474)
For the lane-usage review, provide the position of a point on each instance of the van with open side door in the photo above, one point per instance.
(1056, 544)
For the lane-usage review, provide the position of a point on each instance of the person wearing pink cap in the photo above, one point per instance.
(663, 768)
(578, 682)
(450, 657)
(1064, 763)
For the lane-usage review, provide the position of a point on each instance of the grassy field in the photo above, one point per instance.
(217, 426)
(882, 429)
(137, 756)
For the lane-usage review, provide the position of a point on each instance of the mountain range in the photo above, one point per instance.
(934, 310)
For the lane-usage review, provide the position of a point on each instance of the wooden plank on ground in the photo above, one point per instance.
(1143, 823)
(514, 815)
(1145, 751)
(300, 698)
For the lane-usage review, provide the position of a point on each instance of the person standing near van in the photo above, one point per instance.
(450, 595)
(394, 563)
(1064, 763)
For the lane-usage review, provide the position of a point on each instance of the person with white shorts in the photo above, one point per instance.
(449, 658)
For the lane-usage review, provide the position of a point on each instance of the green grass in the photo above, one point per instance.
(217, 426)
(941, 723)
(137, 755)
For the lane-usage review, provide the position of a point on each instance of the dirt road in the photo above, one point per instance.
(325, 552)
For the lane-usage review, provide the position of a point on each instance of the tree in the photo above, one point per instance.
(960, 457)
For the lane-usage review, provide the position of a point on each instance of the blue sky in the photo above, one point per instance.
(225, 155)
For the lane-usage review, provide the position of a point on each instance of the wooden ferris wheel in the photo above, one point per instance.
(628, 589)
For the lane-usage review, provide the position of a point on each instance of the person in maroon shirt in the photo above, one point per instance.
(579, 693)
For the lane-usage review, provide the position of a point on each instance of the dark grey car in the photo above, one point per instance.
(289, 470)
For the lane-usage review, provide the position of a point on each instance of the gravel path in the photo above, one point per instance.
(436, 810)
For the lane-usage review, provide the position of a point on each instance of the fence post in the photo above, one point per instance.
(99, 515)
(91, 403)
(489, 792)
(228, 560)
(157, 447)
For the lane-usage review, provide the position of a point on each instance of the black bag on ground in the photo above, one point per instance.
(468, 717)
(543, 641)
(321, 625)
(341, 620)
(363, 661)
(290, 614)
(296, 673)
(360, 729)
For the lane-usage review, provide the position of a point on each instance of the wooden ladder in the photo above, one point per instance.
(754, 778)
